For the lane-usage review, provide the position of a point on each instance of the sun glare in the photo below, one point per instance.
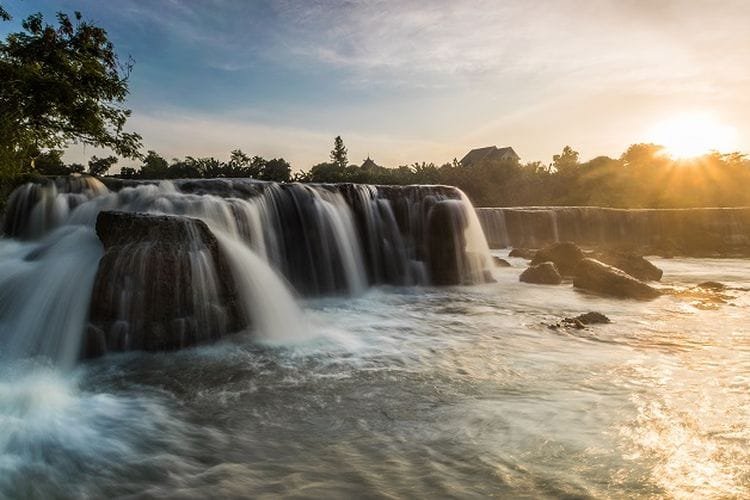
(690, 135)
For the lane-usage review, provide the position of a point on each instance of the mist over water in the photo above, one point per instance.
(388, 390)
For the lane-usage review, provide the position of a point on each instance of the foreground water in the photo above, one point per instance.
(409, 392)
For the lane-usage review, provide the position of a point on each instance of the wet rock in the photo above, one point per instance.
(162, 284)
(446, 242)
(523, 253)
(634, 265)
(712, 285)
(590, 318)
(448, 259)
(595, 276)
(500, 262)
(545, 273)
(581, 321)
(566, 257)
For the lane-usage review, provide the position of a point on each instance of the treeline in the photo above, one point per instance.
(643, 176)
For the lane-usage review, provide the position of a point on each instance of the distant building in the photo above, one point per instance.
(489, 154)
(369, 164)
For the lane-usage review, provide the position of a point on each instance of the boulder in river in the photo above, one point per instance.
(162, 284)
(545, 273)
(595, 276)
(566, 257)
(634, 265)
(523, 253)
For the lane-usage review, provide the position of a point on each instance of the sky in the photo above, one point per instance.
(410, 81)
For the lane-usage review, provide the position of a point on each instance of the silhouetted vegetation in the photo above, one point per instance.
(239, 165)
(643, 176)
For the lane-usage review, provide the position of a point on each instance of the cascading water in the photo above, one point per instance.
(316, 239)
(689, 231)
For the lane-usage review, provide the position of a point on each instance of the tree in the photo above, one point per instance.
(127, 172)
(62, 84)
(339, 152)
(50, 163)
(76, 168)
(238, 165)
(642, 154)
(566, 160)
(277, 170)
(154, 166)
(99, 166)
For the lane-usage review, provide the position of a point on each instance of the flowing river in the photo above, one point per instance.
(404, 392)
(391, 391)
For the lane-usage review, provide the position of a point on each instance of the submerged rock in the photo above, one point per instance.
(595, 276)
(545, 273)
(634, 265)
(566, 257)
(162, 284)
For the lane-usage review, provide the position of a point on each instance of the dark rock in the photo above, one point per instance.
(524, 253)
(545, 273)
(595, 276)
(712, 285)
(446, 242)
(500, 262)
(590, 318)
(162, 284)
(448, 259)
(581, 321)
(634, 265)
(566, 257)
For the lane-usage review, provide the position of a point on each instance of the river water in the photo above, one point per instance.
(409, 392)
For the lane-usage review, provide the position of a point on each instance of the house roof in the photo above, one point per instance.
(369, 163)
(487, 153)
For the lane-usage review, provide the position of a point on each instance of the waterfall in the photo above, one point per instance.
(688, 231)
(256, 242)
(45, 289)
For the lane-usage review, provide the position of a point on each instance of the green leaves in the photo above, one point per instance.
(62, 84)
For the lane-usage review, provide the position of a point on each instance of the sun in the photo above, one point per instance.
(693, 134)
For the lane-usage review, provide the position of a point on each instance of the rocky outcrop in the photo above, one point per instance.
(162, 284)
(566, 257)
(523, 253)
(595, 276)
(634, 265)
(544, 273)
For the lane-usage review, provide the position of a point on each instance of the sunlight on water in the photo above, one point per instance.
(454, 391)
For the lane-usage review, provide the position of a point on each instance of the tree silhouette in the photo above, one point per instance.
(99, 166)
(339, 152)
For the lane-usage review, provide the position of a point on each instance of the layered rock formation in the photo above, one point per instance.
(162, 284)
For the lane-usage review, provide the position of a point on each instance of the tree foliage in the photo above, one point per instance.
(339, 153)
(240, 164)
(100, 166)
(61, 84)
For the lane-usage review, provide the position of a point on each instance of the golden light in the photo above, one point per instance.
(693, 134)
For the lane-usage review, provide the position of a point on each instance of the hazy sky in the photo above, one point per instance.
(412, 80)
